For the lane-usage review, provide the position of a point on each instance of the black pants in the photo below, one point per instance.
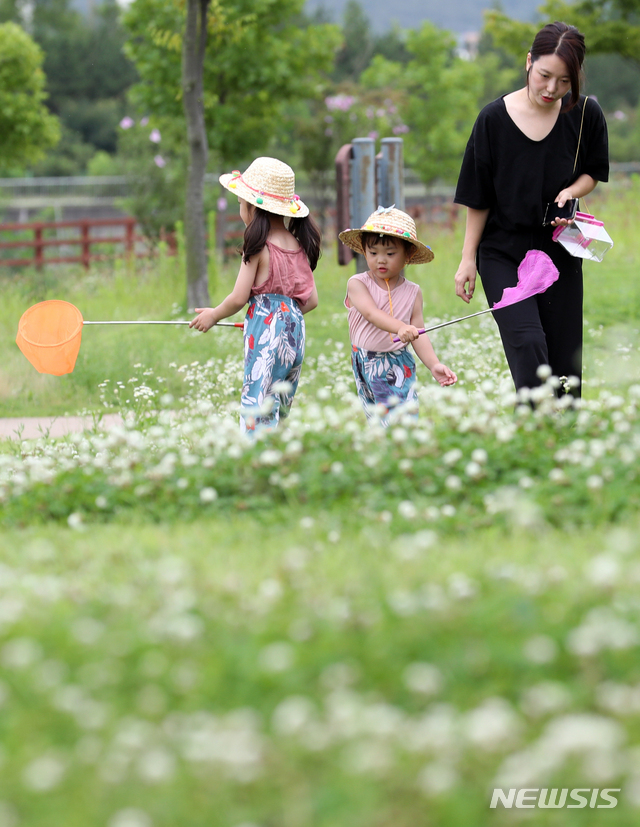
(545, 329)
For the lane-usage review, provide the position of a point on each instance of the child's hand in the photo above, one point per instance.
(204, 320)
(407, 333)
(443, 374)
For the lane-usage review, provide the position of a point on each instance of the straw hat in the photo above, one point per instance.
(268, 184)
(389, 221)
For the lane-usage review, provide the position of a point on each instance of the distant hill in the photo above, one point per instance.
(457, 15)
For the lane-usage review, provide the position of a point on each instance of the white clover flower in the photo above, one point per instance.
(543, 372)
(462, 586)
(545, 698)
(20, 653)
(130, 817)
(493, 725)
(307, 523)
(479, 455)
(453, 483)
(292, 715)
(423, 678)
(540, 649)
(208, 495)
(473, 470)
(44, 773)
(156, 765)
(451, 457)
(75, 522)
(276, 657)
(437, 778)
(604, 570)
(87, 630)
(407, 510)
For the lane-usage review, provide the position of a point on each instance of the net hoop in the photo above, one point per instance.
(49, 335)
(24, 319)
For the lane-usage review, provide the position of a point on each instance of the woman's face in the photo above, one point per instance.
(548, 80)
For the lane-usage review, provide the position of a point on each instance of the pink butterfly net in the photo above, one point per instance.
(535, 274)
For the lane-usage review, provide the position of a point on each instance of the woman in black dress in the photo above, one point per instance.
(544, 143)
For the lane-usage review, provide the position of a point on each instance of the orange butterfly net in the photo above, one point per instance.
(50, 334)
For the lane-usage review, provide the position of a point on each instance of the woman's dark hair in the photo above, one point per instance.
(568, 43)
(305, 230)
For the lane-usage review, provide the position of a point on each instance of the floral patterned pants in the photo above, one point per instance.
(386, 378)
(274, 336)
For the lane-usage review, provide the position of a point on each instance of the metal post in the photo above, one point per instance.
(363, 195)
(390, 173)
(343, 200)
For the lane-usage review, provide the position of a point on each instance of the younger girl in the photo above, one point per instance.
(276, 279)
(384, 306)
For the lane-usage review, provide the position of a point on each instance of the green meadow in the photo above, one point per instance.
(337, 624)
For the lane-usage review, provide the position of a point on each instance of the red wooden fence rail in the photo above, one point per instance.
(85, 240)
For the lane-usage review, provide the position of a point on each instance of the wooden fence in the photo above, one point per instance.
(127, 243)
(42, 237)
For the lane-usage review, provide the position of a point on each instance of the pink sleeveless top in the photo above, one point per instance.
(289, 274)
(366, 335)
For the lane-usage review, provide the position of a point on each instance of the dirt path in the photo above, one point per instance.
(34, 427)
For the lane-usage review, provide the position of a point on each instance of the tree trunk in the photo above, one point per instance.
(193, 51)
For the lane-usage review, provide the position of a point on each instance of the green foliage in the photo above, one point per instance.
(609, 26)
(439, 101)
(86, 73)
(257, 58)
(27, 129)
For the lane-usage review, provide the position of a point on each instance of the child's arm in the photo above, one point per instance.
(360, 298)
(311, 303)
(424, 349)
(209, 316)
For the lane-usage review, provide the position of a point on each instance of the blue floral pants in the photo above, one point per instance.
(274, 336)
(385, 378)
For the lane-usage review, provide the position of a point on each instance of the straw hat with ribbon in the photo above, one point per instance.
(269, 184)
(393, 222)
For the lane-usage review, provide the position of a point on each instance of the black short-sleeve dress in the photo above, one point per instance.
(514, 177)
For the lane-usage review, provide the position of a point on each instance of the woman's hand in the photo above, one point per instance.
(561, 199)
(204, 320)
(466, 280)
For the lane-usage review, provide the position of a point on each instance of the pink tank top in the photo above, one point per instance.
(289, 274)
(366, 335)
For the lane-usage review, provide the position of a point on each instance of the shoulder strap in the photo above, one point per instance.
(584, 106)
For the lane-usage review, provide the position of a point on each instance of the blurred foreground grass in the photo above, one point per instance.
(339, 657)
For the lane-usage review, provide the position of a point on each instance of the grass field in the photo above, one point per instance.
(336, 625)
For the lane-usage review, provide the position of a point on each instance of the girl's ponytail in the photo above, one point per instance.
(306, 231)
(255, 234)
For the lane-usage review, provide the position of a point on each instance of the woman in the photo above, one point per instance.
(542, 144)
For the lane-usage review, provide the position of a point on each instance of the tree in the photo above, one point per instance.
(86, 72)
(27, 129)
(256, 59)
(193, 52)
(609, 26)
(439, 100)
